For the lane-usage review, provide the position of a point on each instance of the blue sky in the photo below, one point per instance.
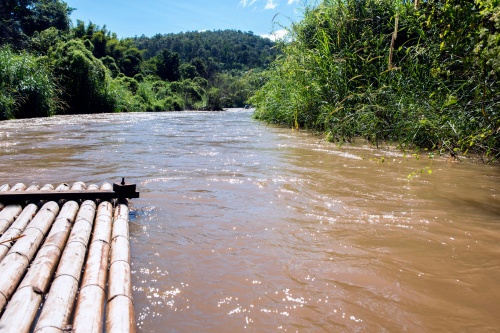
(129, 18)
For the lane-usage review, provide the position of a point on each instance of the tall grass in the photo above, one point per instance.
(380, 69)
(26, 87)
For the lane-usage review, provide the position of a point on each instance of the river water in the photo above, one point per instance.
(247, 227)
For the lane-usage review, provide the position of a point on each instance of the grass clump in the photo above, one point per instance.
(26, 86)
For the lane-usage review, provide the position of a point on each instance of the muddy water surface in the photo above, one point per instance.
(246, 227)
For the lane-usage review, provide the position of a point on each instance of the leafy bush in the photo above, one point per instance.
(84, 78)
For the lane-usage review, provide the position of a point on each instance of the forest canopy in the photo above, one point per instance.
(49, 66)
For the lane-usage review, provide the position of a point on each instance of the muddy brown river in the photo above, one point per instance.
(243, 227)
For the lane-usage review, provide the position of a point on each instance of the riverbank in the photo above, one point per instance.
(391, 71)
(396, 148)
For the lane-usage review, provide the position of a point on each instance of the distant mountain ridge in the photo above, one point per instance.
(226, 49)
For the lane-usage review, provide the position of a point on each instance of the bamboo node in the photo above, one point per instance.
(77, 241)
(99, 240)
(60, 275)
(84, 219)
(118, 260)
(117, 236)
(37, 290)
(52, 245)
(94, 285)
(63, 218)
(35, 228)
(21, 254)
(121, 295)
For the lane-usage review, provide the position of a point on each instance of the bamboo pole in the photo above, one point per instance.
(17, 259)
(78, 186)
(47, 187)
(18, 187)
(58, 306)
(120, 315)
(32, 188)
(92, 187)
(8, 215)
(24, 304)
(16, 229)
(62, 187)
(106, 186)
(4, 187)
(90, 305)
(393, 40)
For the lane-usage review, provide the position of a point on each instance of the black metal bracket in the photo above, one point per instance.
(125, 190)
(121, 190)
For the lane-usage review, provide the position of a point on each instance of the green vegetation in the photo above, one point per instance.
(212, 51)
(421, 73)
(48, 67)
(26, 87)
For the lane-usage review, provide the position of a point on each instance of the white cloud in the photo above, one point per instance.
(276, 35)
(271, 4)
(246, 3)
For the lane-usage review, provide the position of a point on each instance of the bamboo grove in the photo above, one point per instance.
(420, 73)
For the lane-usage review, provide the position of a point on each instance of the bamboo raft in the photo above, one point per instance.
(65, 262)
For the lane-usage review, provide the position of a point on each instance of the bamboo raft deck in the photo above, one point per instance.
(65, 264)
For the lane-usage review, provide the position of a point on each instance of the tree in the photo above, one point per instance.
(230, 49)
(41, 42)
(214, 100)
(110, 63)
(188, 71)
(201, 67)
(79, 29)
(45, 14)
(99, 40)
(168, 65)
(83, 77)
(130, 64)
(20, 19)
(12, 13)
